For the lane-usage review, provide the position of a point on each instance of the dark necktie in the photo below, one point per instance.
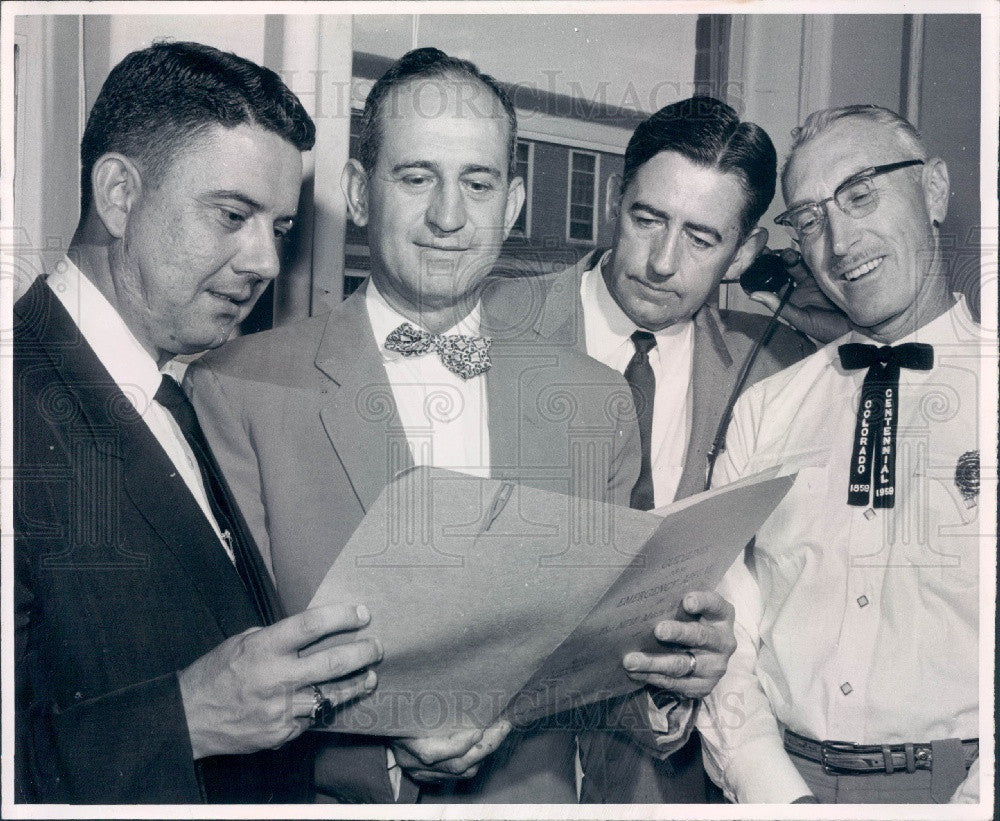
(465, 355)
(873, 458)
(220, 499)
(640, 378)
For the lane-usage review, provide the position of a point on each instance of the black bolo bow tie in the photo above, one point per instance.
(878, 413)
(465, 355)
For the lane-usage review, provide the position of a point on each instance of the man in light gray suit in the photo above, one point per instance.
(311, 421)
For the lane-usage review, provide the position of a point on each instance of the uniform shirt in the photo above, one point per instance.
(608, 331)
(133, 371)
(856, 624)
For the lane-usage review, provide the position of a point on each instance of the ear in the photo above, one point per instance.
(936, 188)
(354, 184)
(613, 199)
(747, 252)
(515, 202)
(117, 186)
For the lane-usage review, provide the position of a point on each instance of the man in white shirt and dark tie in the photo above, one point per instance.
(695, 182)
(856, 678)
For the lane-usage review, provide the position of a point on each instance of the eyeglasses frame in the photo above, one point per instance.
(784, 218)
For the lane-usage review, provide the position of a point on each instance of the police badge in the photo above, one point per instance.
(967, 477)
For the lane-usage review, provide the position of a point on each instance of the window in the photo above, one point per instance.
(581, 212)
(711, 60)
(524, 161)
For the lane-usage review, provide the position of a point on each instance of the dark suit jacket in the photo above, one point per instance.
(303, 422)
(119, 582)
(616, 770)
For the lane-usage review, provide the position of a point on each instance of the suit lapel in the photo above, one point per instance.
(45, 325)
(561, 321)
(161, 496)
(561, 318)
(360, 416)
(148, 477)
(503, 413)
(711, 380)
(510, 412)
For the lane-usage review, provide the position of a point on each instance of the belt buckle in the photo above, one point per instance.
(827, 747)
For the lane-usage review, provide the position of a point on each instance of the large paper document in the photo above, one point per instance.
(492, 597)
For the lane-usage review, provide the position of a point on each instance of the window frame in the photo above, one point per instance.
(569, 195)
(529, 184)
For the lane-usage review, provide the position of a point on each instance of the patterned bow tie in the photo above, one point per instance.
(467, 356)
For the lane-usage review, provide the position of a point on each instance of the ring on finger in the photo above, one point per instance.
(692, 663)
(322, 711)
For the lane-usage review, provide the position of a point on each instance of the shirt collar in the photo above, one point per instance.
(385, 319)
(606, 325)
(128, 363)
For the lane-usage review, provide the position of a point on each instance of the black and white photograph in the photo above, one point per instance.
(550, 409)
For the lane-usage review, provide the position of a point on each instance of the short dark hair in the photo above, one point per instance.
(709, 133)
(424, 64)
(158, 98)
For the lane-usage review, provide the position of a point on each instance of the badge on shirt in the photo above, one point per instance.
(967, 477)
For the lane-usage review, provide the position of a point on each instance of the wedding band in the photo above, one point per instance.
(692, 663)
(322, 709)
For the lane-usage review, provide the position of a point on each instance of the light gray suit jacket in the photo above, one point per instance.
(303, 422)
(551, 306)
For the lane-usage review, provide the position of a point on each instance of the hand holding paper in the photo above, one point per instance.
(256, 689)
(448, 757)
(709, 638)
(500, 600)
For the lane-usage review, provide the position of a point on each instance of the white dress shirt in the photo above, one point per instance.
(133, 371)
(607, 334)
(856, 625)
(608, 331)
(444, 416)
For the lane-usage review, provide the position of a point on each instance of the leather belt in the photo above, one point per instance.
(844, 758)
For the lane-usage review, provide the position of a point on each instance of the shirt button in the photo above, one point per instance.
(846, 688)
(862, 601)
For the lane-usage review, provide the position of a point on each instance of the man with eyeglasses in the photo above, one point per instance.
(855, 678)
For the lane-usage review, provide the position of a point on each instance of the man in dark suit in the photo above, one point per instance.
(312, 420)
(695, 182)
(153, 664)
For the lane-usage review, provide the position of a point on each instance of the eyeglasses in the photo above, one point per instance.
(856, 196)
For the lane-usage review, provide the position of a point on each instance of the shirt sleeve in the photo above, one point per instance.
(742, 743)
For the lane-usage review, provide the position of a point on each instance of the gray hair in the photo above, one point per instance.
(819, 121)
